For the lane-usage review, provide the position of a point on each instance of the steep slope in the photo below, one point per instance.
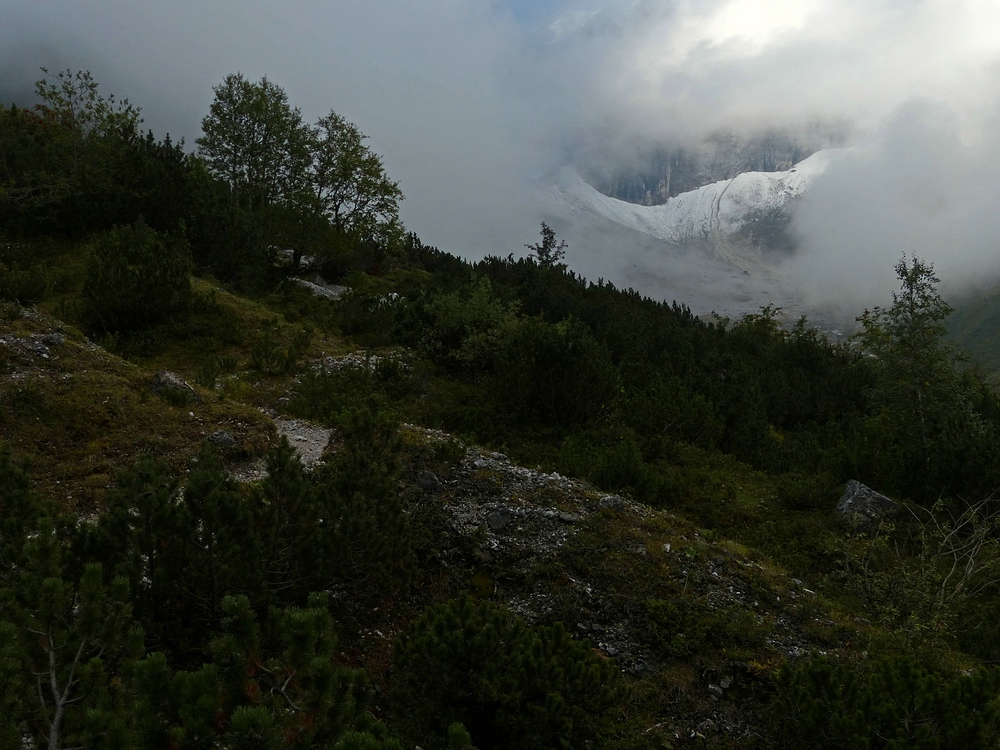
(82, 414)
(718, 249)
(973, 328)
(707, 214)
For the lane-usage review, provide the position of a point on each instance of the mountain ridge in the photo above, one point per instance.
(706, 213)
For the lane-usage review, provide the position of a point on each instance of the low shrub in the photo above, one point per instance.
(890, 703)
(26, 286)
(510, 685)
(136, 278)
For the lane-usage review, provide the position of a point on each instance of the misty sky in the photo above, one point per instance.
(470, 101)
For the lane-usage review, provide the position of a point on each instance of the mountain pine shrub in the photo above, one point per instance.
(136, 278)
(893, 702)
(508, 684)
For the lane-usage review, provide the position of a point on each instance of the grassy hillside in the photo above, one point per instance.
(974, 328)
(538, 512)
(703, 580)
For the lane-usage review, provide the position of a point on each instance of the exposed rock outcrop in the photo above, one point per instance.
(170, 386)
(863, 506)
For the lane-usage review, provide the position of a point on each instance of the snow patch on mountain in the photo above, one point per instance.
(691, 249)
(708, 214)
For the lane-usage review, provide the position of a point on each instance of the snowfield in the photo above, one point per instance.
(702, 215)
(687, 249)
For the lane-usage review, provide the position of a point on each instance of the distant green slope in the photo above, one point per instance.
(974, 327)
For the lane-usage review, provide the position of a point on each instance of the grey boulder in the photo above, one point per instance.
(172, 386)
(864, 506)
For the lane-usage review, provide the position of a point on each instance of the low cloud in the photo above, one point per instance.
(912, 85)
(925, 185)
(469, 105)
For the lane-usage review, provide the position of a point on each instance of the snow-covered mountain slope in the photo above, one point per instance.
(707, 214)
(689, 249)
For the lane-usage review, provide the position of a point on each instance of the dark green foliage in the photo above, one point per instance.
(462, 332)
(926, 428)
(668, 409)
(554, 374)
(281, 676)
(688, 626)
(328, 396)
(509, 685)
(144, 534)
(350, 187)
(930, 572)
(220, 547)
(369, 316)
(368, 741)
(20, 513)
(888, 703)
(274, 355)
(807, 491)
(61, 162)
(25, 286)
(14, 684)
(155, 180)
(621, 467)
(176, 707)
(228, 241)
(331, 396)
(312, 189)
(287, 519)
(255, 141)
(269, 684)
(136, 278)
(77, 163)
(68, 635)
(614, 462)
(366, 536)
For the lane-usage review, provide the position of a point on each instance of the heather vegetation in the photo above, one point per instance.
(154, 592)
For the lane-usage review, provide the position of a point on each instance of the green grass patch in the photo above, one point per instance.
(81, 414)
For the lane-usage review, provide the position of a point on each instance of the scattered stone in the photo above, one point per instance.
(613, 502)
(308, 439)
(428, 482)
(222, 439)
(863, 506)
(726, 682)
(171, 385)
(27, 345)
(499, 519)
(569, 517)
(715, 691)
(54, 339)
(320, 288)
